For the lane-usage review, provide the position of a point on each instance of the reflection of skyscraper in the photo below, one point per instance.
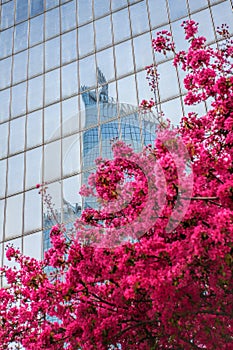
(49, 49)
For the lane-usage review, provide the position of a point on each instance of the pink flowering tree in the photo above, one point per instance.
(152, 268)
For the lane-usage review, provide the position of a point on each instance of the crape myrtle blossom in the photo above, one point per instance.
(161, 288)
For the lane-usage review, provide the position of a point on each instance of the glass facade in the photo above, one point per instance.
(72, 76)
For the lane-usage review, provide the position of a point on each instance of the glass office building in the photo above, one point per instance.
(71, 78)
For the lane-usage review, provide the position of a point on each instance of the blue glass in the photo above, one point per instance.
(124, 58)
(13, 220)
(36, 7)
(197, 4)
(71, 155)
(141, 44)
(121, 27)
(51, 3)
(18, 102)
(127, 91)
(69, 80)
(84, 11)
(68, 16)
(52, 53)
(87, 72)
(4, 104)
(222, 13)
(173, 110)
(35, 93)
(5, 69)
(105, 62)
(4, 139)
(52, 23)
(21, 10)
(103, 32)
(90, 147)
(34, 129)
(70, 116)
(21, 37)
(15, 174)
(205, 24)
(36, 30)
(108, 132)
(33, 167)
(7, 15)
(117, 4)
(90, 108)
(139, 18)
(52, 122)
(20, 66)
(178, 35)
(36, 60)
(52, 86)
(157, 12)
(86, 39)
(177, 9)
(6, 46)
(101, 7)
(52, 166)
(143, 88)
(17, 135)
(2, 179)
(168, 72)
(69, 46)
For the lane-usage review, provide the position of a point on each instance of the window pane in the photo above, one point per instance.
(173, 111)
(90, 147)
(52, 86)
(51, 3)
(21, 10)
(177, 9)
(158, 12)
(35, 93)
(36, 60)
(127, 90)
(139, 18)
(141, 44)
(71, 155)
(52, 23)
(68, 16)
(89, 109)
(52, 53)
(124, 59)
(2, 208)
(105, 63)
(7, 15)
(205, 24)
(116, 4)
(52, 161)
(222, 13)
(15, 174)
(6, 46)
(85, 39)
(32, 244)
(70, 117)
(121, 27)
(69, 80)
(14, 216)
(5, 72)
(84, 11)
(20, 66)
(103, 32)
(197, 4)
(21, 37)
(37, 6)
(87, 71)
(69, 46)
(168, 85)
(36, 30)
(5, 105)
(34, 129)
(52, 122)
(2, 180)
(101, 7)
(18, 104)
(17, 135)
(3, 139)
(179, 36)
(33, 167)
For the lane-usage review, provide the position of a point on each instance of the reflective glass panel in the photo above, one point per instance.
(6, 46)
(20, 66)
(222, 13)
(90, 147)
(7, 15)
(139, 18)
(32, 244)
(51, 3)
(121, 27)
(21, 37)
(21, 10)
(177, 9)
(15, 174)
(52, 122)
(32, 211)
(178, 35)
(101, 7)
(52, 161)
(36, 60)
(70, 116)
(68, 16)
(124, 58)
(85, 39)
(141, 44)
(2, 208)
(87, 71)
(197, 4)
(69, 80)
(33, 167)
(127, 90)
(5, 104)
(52, 86)
(71, 187)
(69, 46)
(105, 63)
(84, 11)
(173, 110)
(35, 93)
(36, 30)
(17, 135)
(3, 139)
(52, 53)
(158, 12)
(52, 23)
(71, 155)
(2, 179)
(34, 129)
(5, 75)
(205, 24)
(18, 102)
(14, 206)
(117, 4)
(168, 85)
(36, 7)
(103, 32)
